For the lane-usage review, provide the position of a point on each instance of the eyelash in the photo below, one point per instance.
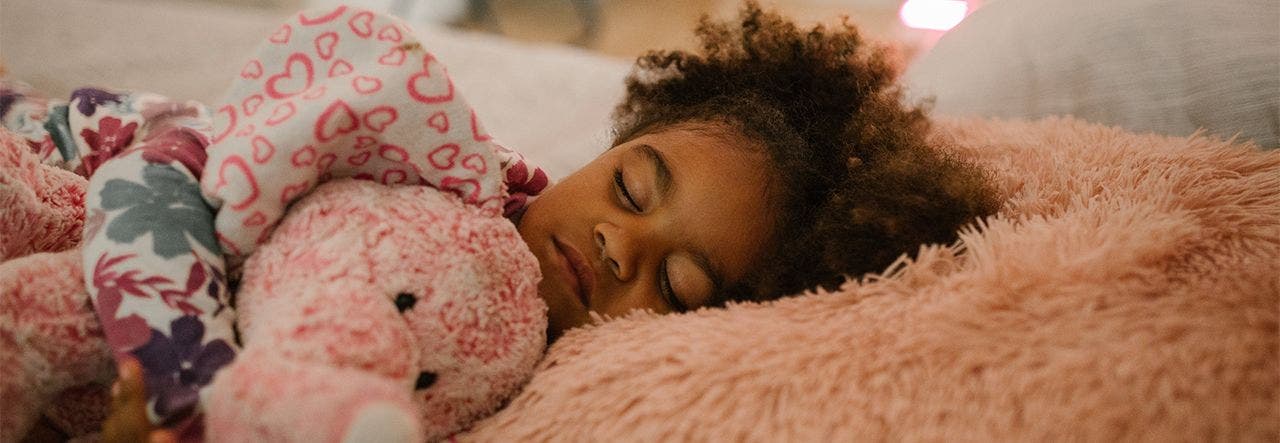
(664, 282)
(664, 285)
(622, 187)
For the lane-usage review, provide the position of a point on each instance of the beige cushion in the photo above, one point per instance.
(1164, 66)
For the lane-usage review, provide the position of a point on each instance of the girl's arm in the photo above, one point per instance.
(127, 422)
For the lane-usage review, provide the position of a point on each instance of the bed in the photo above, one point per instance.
(1129, 288)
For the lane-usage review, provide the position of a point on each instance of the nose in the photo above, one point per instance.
(617, 250)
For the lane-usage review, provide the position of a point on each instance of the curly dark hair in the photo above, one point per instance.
(859, 183)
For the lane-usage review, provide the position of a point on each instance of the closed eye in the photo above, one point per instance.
(668, 293)
(621, 186)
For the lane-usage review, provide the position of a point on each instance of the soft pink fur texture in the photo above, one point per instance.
(42, 211)
(1128, 290)
(41, 207)
(324, 339)
(50, 338)
(320, 326)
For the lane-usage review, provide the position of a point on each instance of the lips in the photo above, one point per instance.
(579, 272)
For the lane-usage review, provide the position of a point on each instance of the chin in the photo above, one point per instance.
(564, 312)
(560, 317)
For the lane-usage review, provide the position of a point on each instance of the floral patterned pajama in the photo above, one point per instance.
(179, 194)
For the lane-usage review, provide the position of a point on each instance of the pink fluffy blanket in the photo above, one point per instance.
(1127, 290)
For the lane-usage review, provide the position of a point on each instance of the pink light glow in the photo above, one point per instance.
(938, 15)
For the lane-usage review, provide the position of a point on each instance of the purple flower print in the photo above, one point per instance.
(176, 144)
(214, 290)
(43, 148)
(90, 98)
(123, 333)
(111, 137)
(7, 98)
(520, 181)
(177, 366)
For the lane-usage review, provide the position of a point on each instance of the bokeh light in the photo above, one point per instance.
(939, 15)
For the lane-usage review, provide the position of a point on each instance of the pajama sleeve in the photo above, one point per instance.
(153, 270)
(40, 121)
(152, 265)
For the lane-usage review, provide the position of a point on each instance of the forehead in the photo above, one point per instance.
(720, 194)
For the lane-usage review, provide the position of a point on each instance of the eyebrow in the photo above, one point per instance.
(660, 167)
(664, 183)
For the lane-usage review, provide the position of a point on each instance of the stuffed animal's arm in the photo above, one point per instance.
(264, 396)
(41, 206)
(49, 338)
(348, 92)
(317, 364)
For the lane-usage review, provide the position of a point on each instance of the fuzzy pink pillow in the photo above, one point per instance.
(1127, 290)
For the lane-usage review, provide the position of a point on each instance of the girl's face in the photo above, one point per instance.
(661, 222)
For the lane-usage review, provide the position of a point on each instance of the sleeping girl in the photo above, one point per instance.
(771, 161)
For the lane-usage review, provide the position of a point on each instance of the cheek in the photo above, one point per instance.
(564, 207)
(543, 212)
(620, 301)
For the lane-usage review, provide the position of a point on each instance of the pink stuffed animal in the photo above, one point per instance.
(393, 312)
(50, 341)
(373, 312)
(41, 206)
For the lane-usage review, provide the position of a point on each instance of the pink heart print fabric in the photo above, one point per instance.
(348, 93)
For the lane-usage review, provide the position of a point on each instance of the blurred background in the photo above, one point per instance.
(1165, 66)
(627, 28)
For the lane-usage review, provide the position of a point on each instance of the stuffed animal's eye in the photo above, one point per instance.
(425, 380)
(405, 300)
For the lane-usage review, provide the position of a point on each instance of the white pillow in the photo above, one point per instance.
(1165, 66)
